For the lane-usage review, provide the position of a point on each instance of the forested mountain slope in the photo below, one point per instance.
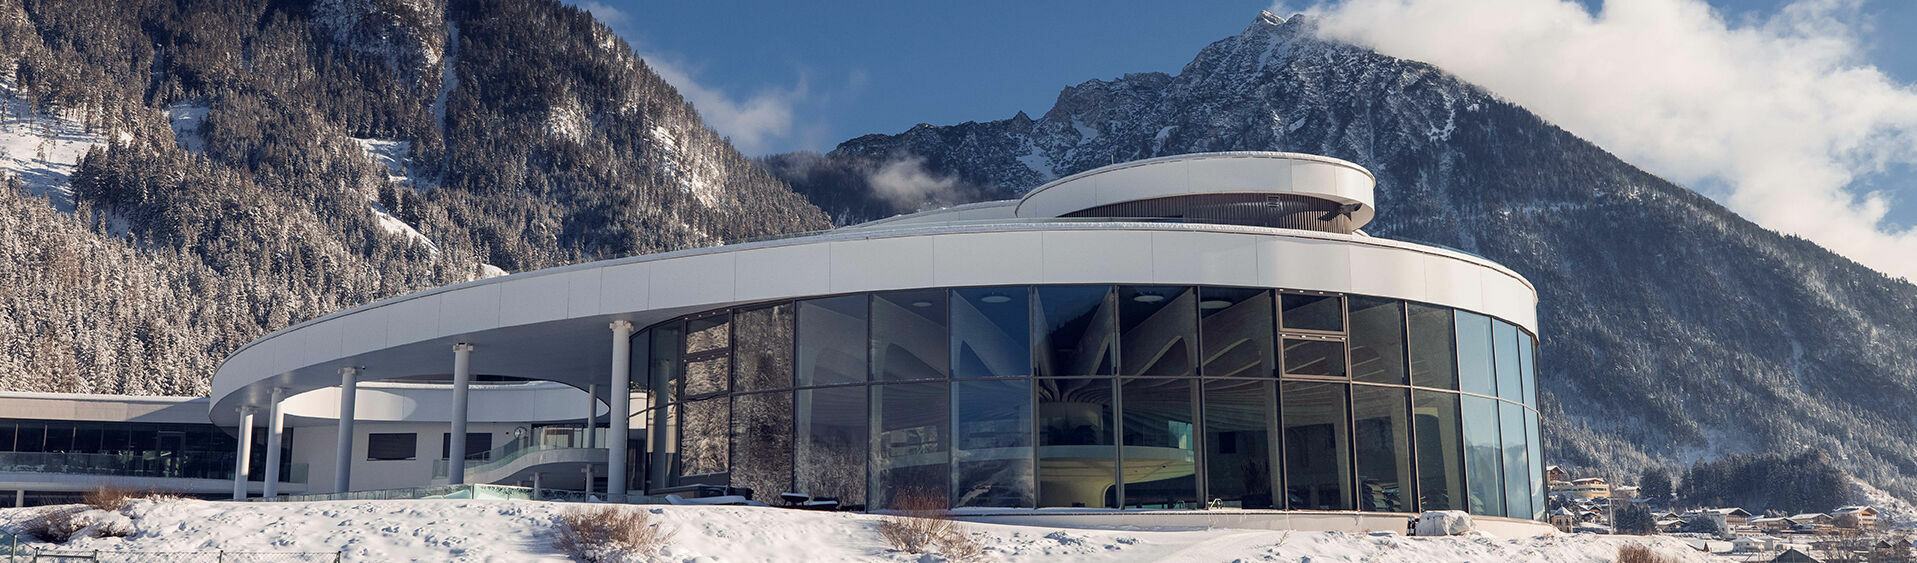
(1673, 329)
(255, 163)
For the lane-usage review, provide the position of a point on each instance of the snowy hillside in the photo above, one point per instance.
(460, 530)
(41, 148)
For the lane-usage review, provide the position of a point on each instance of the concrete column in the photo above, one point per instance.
(619, 394)
(20, 498)
(592, 408)
(343, 461)
(535, 492)
(588, 470)
(275, 432)
(462, 382)
(240, 468)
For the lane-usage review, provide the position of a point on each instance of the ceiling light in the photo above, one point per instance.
(1210, 304)
(1148, 298)
(921, 303)
(994, 299)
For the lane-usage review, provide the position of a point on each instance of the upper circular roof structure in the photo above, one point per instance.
(1277, 189)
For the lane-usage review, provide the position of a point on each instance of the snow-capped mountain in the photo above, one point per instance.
(1674, 330)
(212, 171)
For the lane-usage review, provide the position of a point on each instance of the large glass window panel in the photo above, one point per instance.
(992, 456)
(762, 348)
(1076, 462)
(762, 443)
(1474, 354)
(1316, 358)
(707, 372)
(991, 332)
(708, 333)
(1158, 330)
(664, 365)
(662, 441)
(1077, 330)
(1440, 451)
(59, 437)
(1237, 332)
(31, 437)
(910, 444)
(1317, 446)
(829, 456)
(1528, 369)
(1432, 346)
(1239, 458)
(1534, 452)
(1313, 312)
(909, 337)
(1504, 347)
(1159, 444)
(1377, 340)
(1517, 486)
(1483, 456)
(832, 342)
(705, 428)
(1381, 430)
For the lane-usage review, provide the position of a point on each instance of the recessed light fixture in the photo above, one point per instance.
(994, 299)
(921, 303)
(1148, 298)
(1209, 304)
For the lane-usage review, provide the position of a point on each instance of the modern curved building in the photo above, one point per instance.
(1191, 332)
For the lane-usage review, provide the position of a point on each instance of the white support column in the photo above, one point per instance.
(240, 468)
(592, 408)
(462, 382)
(343, 461)
(535, 492)
(275, 431)
(618, 395)
(20, 498)
(588, 470)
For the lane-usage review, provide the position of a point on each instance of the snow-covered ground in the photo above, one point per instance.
(41, 148)
(185, 118)
(468, 530)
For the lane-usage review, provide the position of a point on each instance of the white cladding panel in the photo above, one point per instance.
(1253, 172)
(703, 278)
(1186, 257)
(582, 291)
(770, 272)
(411, 320)
(881, 263)
(1096, 257)
(986, 258)
(533, 300)
(624, 287)
(469, 309)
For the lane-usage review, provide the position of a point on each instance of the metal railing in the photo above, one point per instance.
(149, 464)
(478, 492)
(539, 440)
(23, 554)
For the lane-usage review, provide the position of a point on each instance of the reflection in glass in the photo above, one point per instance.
(1313, 312)
(1160, 468)
(708, 355)
(1483, 456)
(703, 438)
(1517, 487)
(1076, 330)
(829, 458)
(662, 444)
(1076, 466)
(1158, 330)
(1527, 370)
(1319, 358)
(832, 340)
(1237, 332)
(1377, 340)
(1239, 457)
(762, 356)
(993, 454)
(762, 443)
(1317, 446)
(909, 339)
(1431, 346)
(1440, 451)
(991, 332)
(1381, 429)
(1535, 453)
(1504, 345)
(910, 441)
(1474, 354)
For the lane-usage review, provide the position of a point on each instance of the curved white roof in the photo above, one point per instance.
(1207, 173)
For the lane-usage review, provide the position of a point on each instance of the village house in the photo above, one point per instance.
(1866, 516)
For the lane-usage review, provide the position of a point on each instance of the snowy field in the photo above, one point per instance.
(467, 530)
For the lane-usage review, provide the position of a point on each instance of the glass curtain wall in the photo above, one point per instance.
(1095, 396)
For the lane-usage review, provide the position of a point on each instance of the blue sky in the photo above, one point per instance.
(1789, 144)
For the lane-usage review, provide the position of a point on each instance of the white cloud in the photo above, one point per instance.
(1784, 110)
(906, 183)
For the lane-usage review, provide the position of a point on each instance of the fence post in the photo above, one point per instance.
(339, 556)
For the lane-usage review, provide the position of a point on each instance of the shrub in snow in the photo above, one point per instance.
(1443, 523)
(102, 524)
(116, 498)
(1634, 553)
(610, 534)
(64, 523)
(920, 524)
